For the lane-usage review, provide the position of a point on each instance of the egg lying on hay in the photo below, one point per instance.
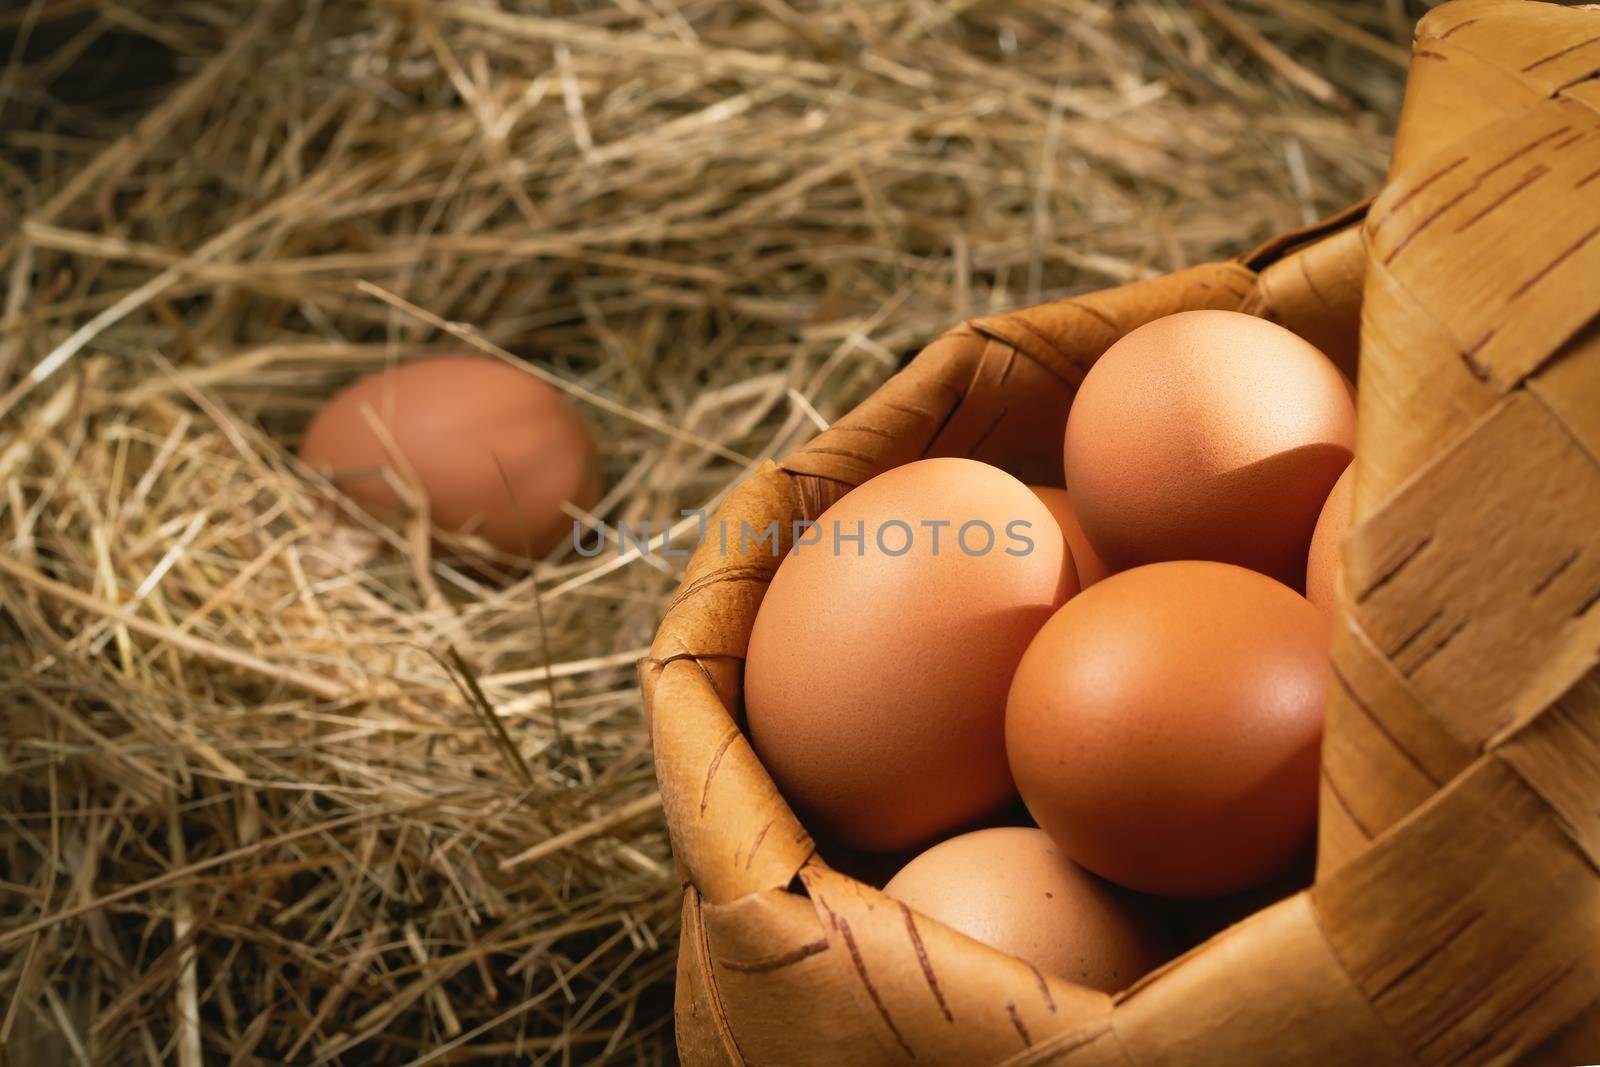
(494, 451)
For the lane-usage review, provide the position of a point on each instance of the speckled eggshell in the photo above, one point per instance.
(1090, 567)
(1208, 435)
(875, 684)
(1164, 726)
(1013, 890)
(1327, 541)
(496, 450)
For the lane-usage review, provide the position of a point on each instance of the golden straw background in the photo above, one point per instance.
(278, 785)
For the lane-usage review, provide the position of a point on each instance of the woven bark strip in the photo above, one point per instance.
(1476, 486)
(1317, 294)
(1456, 912)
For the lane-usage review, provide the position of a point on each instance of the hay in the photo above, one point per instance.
(283, 786)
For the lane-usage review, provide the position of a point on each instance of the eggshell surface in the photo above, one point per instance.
(1090, 567)
(876, 677)
(1208, 435)
(1013, 890)
(1327, 541)
(496, 450)
(1164, 726)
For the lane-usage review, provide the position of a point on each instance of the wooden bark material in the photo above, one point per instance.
(1456, 912)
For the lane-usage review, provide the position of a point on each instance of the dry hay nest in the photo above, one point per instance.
(282, 785)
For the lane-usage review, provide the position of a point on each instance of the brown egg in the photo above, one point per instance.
(496, 450)
(1090, 567)
(1163, 727)
(876, 677)
(1208, 435)
(1013, 890)
(1327, 540)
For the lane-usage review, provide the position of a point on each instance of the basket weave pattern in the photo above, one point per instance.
(1456, 912)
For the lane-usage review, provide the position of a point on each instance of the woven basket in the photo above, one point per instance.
(1455, 916)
